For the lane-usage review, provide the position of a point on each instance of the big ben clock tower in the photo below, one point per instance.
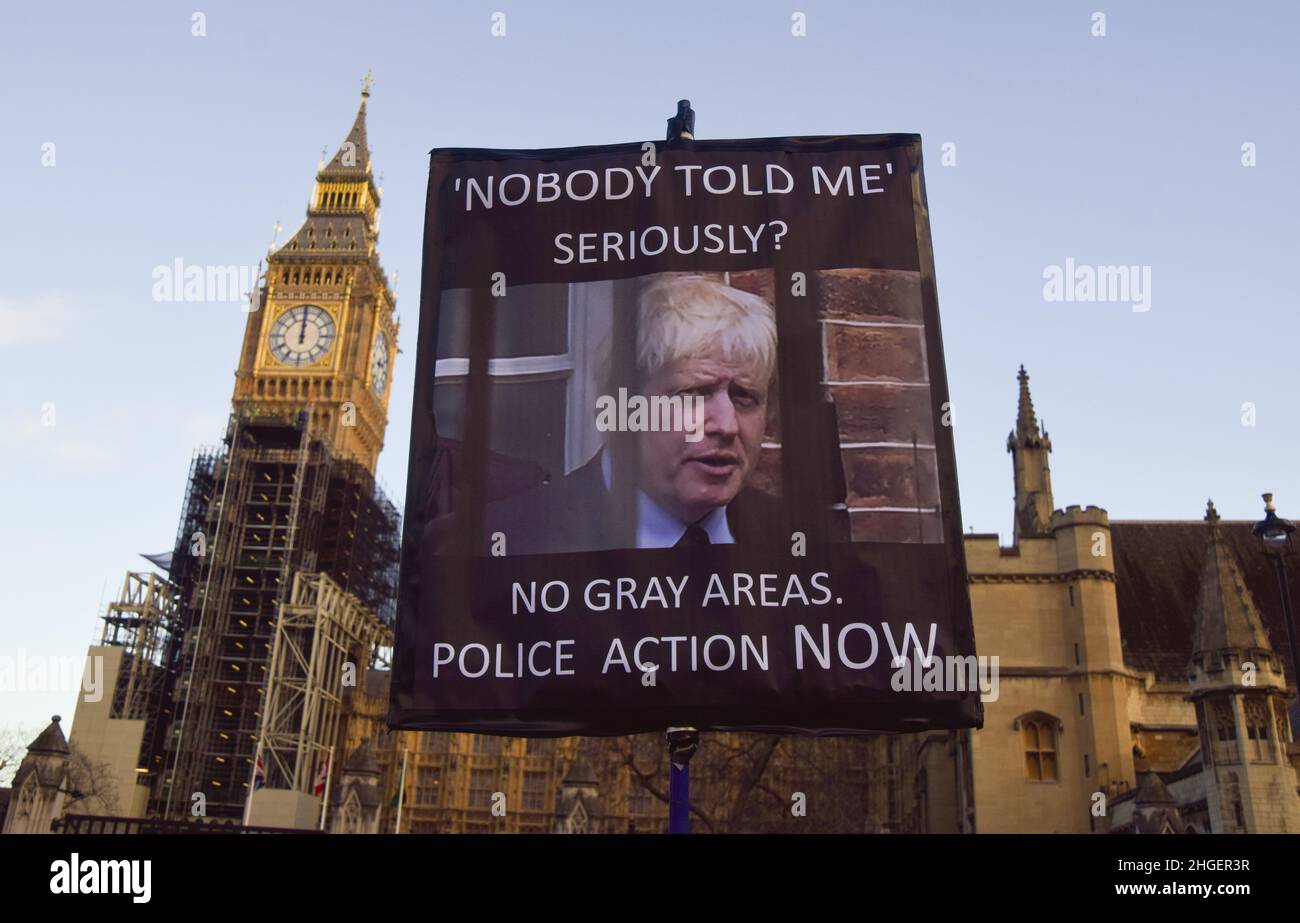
(323, 338)
(287, 551)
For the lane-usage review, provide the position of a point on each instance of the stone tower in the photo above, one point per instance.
(1240, 693)
(323, 337)
(1033, 478)
(288, 498)
(1093, 648)
(358, 800)
(40, 783)
(1059, 731)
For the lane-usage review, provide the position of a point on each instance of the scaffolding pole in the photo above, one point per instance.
(321, 630)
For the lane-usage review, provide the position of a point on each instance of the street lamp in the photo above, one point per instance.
(1274, 534)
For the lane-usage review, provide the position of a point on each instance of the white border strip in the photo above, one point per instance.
(868, 323)
(866, 445)
(515, 365)
(881, 381)
(893, 509)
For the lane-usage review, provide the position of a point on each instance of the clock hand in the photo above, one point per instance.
(302, 331)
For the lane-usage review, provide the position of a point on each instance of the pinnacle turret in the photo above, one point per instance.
(1033, 480)
(1226, 618)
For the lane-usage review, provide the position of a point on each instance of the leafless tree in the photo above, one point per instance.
(13, 747)
(90, 787)
(767, 783)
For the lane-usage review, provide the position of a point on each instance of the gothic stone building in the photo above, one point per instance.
(1142, 676)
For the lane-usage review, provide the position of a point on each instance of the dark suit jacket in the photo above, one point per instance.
(576, 513)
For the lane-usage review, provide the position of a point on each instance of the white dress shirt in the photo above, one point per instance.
(658, 528)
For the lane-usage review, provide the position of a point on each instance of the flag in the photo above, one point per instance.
(397, 798)
(259, 772)
(322, 776)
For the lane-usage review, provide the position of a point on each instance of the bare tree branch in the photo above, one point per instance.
(90, 784)
(13, 747)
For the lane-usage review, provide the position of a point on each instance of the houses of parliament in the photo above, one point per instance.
(1144, 680)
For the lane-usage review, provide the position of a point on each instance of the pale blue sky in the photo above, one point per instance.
(1122, 149)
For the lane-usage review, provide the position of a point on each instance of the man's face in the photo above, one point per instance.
(690, 479)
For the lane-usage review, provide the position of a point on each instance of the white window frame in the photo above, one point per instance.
(590, 317)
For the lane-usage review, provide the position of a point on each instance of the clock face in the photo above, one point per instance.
(379, 363)
(302, 334)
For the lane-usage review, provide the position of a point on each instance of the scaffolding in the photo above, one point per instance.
(201, 487)
(324, 637)
(275, 503)
(359, 547)
(145, 622)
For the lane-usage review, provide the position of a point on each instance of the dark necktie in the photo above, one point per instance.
(693, 537)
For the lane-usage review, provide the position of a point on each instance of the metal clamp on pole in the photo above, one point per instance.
(682, 744)
(681, 127)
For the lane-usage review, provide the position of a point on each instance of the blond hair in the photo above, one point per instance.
(682, 316)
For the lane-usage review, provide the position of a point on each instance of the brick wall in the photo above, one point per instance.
(875, 370)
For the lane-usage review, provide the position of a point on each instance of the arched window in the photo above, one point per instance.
(27, 798)
(351, 815)
(1038, 737)
(1259, 740)
(1223, 725)
(576, 822)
